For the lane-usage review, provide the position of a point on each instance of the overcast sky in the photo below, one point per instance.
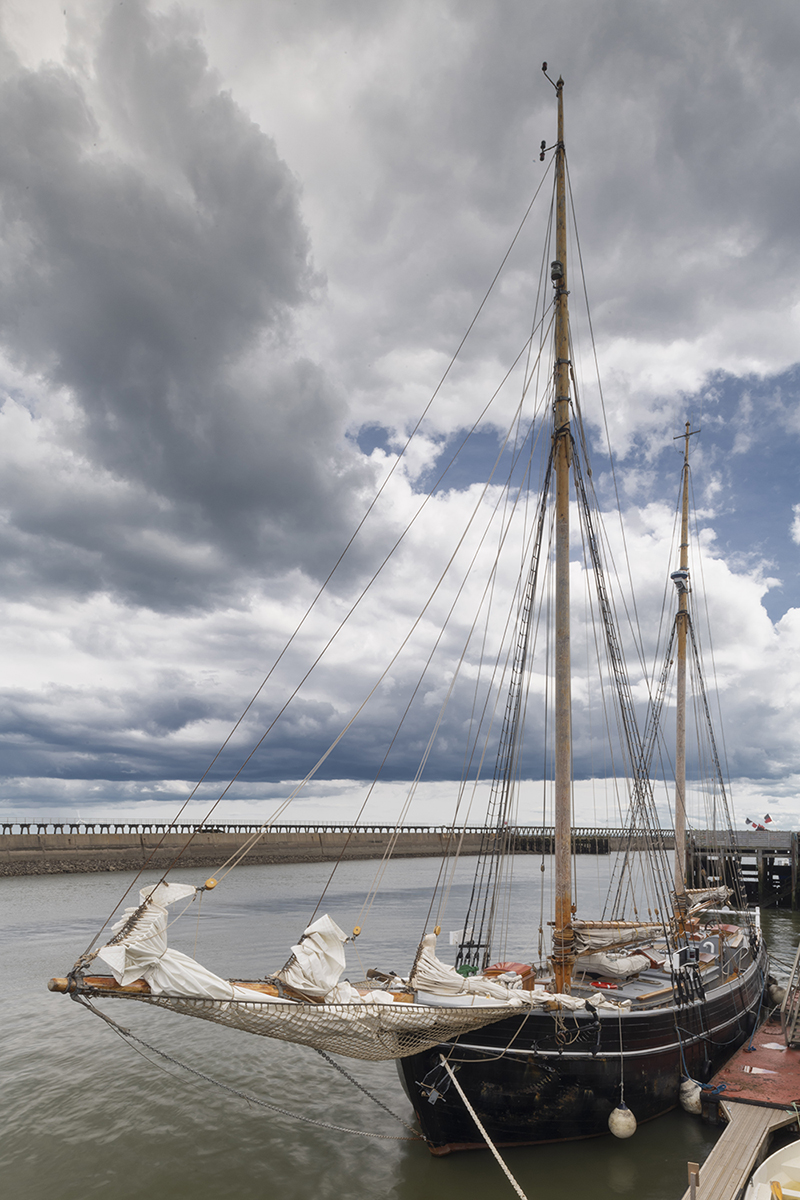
(239, 244)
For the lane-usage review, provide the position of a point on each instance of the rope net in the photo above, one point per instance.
(372, 1032)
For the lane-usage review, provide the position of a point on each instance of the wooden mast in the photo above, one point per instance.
(562, 934)
(681, 580)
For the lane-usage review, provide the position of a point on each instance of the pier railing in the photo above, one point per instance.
(151, 827)
(42, 847)
(769, 859)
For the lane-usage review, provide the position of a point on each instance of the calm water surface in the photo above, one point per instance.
(86, 1115)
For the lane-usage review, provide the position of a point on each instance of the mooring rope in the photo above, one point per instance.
(481, 1130)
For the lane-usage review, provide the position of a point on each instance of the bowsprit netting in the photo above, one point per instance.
(372, 1032)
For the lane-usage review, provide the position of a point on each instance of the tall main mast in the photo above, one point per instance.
(562, 934)
(681, 580)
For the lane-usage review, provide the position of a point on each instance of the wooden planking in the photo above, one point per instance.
(726, 1170)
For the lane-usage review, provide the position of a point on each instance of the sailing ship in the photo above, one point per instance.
(624, 1006)
(686, 995)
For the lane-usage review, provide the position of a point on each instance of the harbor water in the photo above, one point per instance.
(86, 1113)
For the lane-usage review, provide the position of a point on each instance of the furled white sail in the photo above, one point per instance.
(317, 963)
(142, 951)
(700, 898)
(591, 936)
(435, 979)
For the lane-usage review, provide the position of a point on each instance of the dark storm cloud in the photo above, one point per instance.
(695, 161)
(154, 251)
(167, 443)
(682, 133)
(109, 728)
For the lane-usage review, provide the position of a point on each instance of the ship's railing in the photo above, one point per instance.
(790, 1008)
(750, 917)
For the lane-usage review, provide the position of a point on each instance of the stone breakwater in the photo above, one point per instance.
(53, 849)
(60, 853)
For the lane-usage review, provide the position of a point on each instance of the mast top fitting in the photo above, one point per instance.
(557, 85)
(681, 580)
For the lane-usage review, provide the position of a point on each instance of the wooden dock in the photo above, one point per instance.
(769, 860)
(761, 1094)
(738, 1152)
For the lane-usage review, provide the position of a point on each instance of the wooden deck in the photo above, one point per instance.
(762, 1094)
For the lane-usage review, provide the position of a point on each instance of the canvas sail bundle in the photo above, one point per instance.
(591, 936)
(701, 898)
(335, 1016)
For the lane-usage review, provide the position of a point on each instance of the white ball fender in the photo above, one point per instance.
(622, 1122)
(690, 1097)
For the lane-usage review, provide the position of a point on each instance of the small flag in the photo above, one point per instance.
(767, 819)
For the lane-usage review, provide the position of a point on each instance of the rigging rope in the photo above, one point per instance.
(235, 859)
(488, 590)
(736, 863)
(127, 1035)
(493, 846)
(361, 1088)
(323, 587)
(644, 804)
(634, 622)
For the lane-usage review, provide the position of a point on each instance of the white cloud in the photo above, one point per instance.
(196, 319)
(796, 524)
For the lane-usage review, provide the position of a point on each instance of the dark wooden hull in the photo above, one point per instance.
(535, 1079)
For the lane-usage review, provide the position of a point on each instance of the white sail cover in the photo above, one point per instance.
(591, 936)
(614, 966)
(318, 961)
(142, 952)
